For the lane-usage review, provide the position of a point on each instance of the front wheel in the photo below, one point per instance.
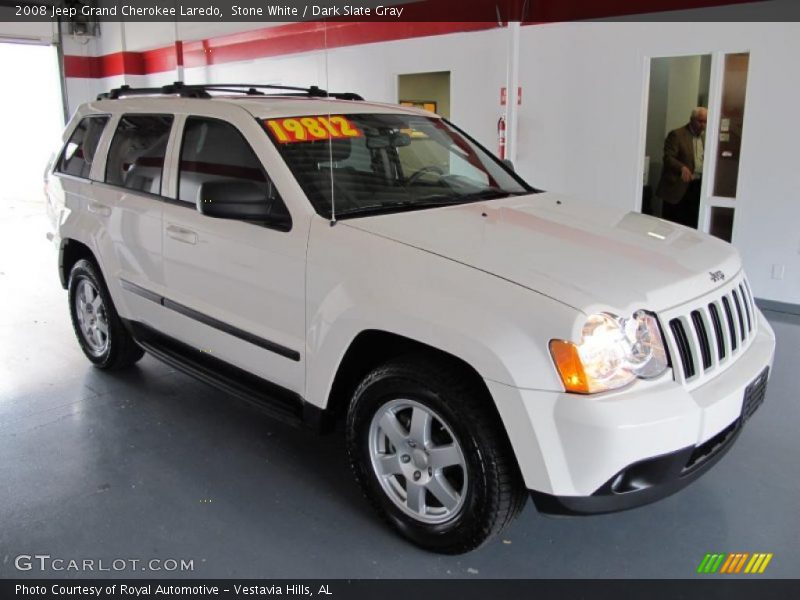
(431, 456)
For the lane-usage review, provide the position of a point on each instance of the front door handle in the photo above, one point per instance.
(99, 209)
(187, 236)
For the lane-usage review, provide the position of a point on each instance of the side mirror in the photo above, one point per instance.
(509, 164)
(241, 200)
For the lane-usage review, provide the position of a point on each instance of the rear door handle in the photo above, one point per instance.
(187, 236)
(99, 209)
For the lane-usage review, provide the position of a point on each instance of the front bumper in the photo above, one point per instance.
(584, 455)
(654, 478)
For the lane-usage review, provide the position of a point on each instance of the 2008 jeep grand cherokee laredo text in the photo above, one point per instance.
(481, 340)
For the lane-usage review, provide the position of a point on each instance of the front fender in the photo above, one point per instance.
(358, 281)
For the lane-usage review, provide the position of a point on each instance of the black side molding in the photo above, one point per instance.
(211, 321)
(140, 291)
(231, 330)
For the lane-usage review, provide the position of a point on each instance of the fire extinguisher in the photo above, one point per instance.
(501, 138)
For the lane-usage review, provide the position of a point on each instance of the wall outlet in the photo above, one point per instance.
(777, 271)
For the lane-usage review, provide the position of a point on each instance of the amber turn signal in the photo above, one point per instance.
(570, 367)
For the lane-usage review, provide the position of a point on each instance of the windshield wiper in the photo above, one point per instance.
(435, 201)
(484, 194)
(488, 194)
(402, 205)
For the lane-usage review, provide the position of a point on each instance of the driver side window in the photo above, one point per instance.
(214, 152)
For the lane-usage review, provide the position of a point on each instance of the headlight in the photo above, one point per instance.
(612, 353)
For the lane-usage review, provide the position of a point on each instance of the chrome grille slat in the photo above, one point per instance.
(726, 332)
(684, 350)
(713, 344)
(719, 335)
(701, 333)
(726, 308)
(694, 345)
(746, 298)
(739, 314)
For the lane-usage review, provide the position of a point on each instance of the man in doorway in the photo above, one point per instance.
(682, 173)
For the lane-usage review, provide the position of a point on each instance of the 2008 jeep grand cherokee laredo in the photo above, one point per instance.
(326, 257)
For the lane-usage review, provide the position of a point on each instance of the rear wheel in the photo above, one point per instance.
(100, 332)
(430, 455)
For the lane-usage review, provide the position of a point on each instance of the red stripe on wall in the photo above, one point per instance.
(120, 63)
(107, 65)
(293, 38)
(161, 59)
(308, 37)
(80, 66)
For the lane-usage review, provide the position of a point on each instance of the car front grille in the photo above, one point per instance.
(709, 334)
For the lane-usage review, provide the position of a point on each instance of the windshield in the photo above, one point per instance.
(387, 163)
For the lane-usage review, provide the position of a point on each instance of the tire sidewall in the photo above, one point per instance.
(374, 393)
(85, 270)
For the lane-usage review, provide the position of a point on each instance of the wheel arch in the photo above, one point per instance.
(71, 251)
(373, 347)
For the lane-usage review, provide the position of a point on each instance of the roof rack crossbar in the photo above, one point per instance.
(201, 91)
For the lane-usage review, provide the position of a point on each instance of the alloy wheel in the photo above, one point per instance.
(418, 461)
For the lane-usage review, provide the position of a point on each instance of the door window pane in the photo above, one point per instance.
(721, 224)
(674, 136)
(136, 156)
(213, 150)
(731, 121)
(78, 154)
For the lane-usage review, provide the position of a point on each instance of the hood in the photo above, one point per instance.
(583, 254)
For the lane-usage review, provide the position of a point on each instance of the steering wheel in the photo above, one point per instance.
(419, 173)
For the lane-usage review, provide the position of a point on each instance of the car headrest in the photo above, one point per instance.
(320, 152)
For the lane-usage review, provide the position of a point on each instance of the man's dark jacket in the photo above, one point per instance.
(678, 152)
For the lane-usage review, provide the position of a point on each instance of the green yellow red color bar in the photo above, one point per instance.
(734, 562)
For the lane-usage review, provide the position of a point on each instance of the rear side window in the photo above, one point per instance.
(136, 156)
(216, 151)
(78, 154)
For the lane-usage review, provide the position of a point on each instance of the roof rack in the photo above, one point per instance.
(202, 91)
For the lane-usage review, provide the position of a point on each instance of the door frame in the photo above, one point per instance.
(707, 201)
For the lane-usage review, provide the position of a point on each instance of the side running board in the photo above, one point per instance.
(267, 397)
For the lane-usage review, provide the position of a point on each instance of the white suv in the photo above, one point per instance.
(329, 259)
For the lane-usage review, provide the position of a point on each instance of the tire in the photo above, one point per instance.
(472, 485)
(100, 332)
